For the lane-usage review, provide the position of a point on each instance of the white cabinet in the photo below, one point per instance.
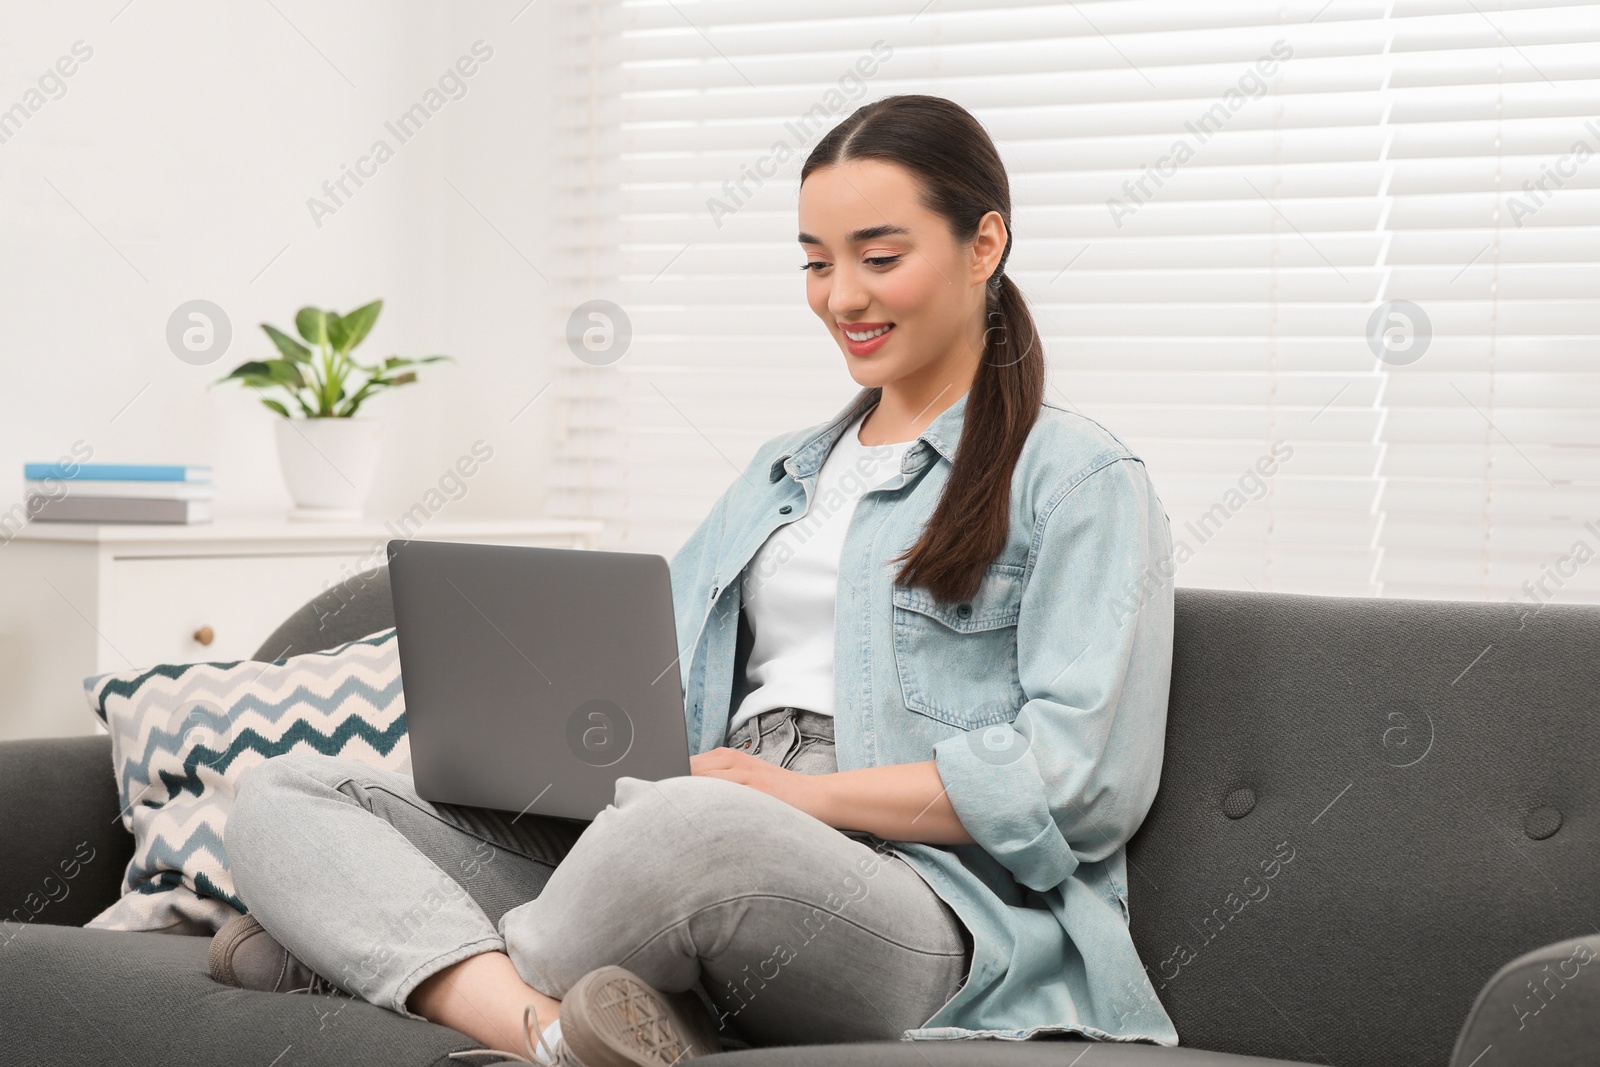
(83, 599)
(166, 610)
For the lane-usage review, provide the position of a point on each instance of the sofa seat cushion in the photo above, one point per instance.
(74, 995)
(987, 1052)
(70, 994)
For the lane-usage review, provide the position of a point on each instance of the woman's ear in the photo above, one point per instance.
(988, 246)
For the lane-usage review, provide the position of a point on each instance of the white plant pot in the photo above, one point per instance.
(329, 465)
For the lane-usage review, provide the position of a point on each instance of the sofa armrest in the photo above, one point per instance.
(1542, 1007)
(64, 848)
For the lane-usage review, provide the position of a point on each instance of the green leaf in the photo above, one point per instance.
(347, 331)
(354, 402)
(285, 372)
(334, 329)
(246, 370)
(402, 361)
(312, 324)
(275, 406)
(291, 348)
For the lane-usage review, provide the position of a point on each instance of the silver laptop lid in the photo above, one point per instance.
(535, 677)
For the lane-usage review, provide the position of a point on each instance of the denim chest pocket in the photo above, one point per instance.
(958, 662)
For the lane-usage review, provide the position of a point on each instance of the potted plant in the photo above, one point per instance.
(328, 455)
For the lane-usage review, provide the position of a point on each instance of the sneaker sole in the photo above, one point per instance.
(613, 1019)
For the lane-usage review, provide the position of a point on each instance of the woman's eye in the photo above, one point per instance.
(882, 261)
(817, 263)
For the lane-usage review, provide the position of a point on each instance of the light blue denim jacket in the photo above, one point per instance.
(1042, 700)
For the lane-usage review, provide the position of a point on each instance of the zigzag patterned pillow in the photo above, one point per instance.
(183, 734)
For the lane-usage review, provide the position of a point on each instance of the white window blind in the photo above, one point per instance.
(1211, 204)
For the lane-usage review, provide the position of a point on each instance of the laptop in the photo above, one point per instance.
(534, 678)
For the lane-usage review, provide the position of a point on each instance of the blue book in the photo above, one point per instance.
(118, 472)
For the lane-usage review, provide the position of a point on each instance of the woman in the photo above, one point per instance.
(927, 647)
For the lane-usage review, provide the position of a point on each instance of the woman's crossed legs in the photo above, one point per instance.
(794, 932)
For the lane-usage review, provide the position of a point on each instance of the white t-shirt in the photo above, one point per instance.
(791, 584)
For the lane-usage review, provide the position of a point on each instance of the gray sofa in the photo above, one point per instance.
(1377, 842)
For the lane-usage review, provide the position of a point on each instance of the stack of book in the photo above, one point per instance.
(118, 492)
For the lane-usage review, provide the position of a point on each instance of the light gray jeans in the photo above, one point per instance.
(791, 931)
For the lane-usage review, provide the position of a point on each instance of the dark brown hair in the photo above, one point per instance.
(962, 179)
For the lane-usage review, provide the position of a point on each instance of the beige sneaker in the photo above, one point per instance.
(612, 1018)
(243, 954)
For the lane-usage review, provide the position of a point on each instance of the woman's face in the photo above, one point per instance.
(903, 299)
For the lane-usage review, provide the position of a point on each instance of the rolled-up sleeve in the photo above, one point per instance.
(1072, 777)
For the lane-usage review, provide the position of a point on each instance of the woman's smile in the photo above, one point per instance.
(865, 338)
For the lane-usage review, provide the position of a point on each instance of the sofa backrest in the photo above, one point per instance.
(1367, 806)
(358, 606)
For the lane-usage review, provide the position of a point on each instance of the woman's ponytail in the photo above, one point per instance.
(1011, 334)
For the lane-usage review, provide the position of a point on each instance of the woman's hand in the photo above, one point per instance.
(803, 791)
(901, 802)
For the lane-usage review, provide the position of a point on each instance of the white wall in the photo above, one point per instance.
(177, 165)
